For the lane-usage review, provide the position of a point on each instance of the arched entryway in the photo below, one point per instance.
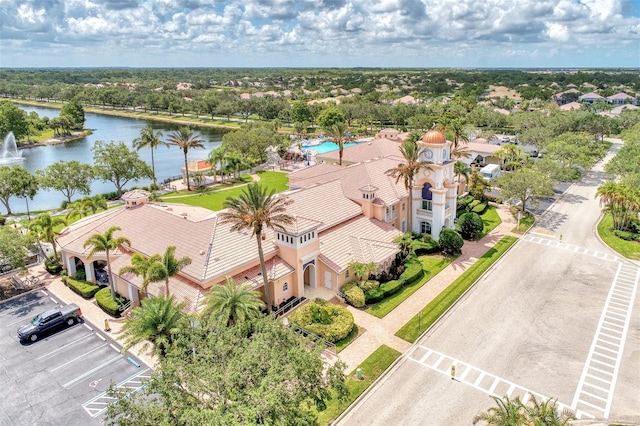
(100, 272)
(309, 276)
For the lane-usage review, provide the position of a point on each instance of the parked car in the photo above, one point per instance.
(50, 320)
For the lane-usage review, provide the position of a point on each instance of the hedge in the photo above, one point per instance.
(108, 304)
(480, 208)
(626, 235)
(83, 288)
(391, 287)
(353, 294)
(338, 327)
(373, 295)
(52, 267)
(370, 285)
(412, 272)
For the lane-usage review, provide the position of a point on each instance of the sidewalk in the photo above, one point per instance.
(90, 311)
(382, 331)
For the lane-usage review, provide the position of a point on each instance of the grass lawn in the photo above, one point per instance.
(432, 265)
(214, 199)
(355, 333)
(628, 249)
(490, 219)
(372, 368)
(430, 313)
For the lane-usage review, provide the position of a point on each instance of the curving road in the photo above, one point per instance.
(558, 316)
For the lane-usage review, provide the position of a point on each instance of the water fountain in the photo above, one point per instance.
(9, 153)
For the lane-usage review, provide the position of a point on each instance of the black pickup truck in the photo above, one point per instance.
(49, 320)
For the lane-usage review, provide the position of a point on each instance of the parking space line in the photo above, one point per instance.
(88, 373)
(101, 337)
(12, 311)
(88, 326)
(98, 404)
(77, 358)
(64, 346)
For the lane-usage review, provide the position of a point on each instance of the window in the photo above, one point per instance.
(402, 206)
(346, 275)
(425, 227)
(427, 205)
(285, 287)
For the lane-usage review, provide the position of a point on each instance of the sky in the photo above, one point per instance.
(320, 33)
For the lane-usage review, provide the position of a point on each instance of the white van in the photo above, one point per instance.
(490, 171)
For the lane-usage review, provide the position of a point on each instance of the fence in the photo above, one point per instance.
(331, 347)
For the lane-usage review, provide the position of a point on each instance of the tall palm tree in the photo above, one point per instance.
(217, 156)
(459, 137)
(257, 208)
(185, 139)
(166, 267)
(231, 303)
(462, 170)
(506, 413)
(157, 320)
(150, 138)
(142, 268)
(621, 201)
(408, 170)
(44, 226)
(106, 243)
(338, 134)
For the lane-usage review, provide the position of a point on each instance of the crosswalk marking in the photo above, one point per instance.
(98, 405)
(603, 362)
(546, 241)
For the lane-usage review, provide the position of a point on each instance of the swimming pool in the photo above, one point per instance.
(328, 147)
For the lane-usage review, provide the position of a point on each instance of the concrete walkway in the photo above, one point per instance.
(382, 331)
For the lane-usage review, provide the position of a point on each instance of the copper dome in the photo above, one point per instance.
(434, 137)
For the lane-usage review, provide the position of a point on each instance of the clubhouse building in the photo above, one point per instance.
(342, 214)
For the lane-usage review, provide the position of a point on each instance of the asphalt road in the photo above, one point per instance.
(61, 379)
(555, 317)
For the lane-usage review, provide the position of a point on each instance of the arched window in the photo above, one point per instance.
(427, 196)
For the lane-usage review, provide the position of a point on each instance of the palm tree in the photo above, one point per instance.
(142, 268)
(106, 243)
(166, 267)
(462, 170)
(545, 413)
(81, 208)
(459, 136)
(621, 201)
(362, 271)
(156, 321)
(150, 139)
(231, 302)
(185, 139)
(44, 226)
(408, 170)
(478, 185)
(216, 156)
(338, 134)
(256, 209)
(506, 413)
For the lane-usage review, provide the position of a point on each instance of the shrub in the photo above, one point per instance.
(480, 208)
(109, 304)
(473, 204)
(53, 267)
(450, 241)
(353, 294)
(370, 285)
(3, 220)
(373, 296)
(470, 225)
(391, 287)
(81, 275)
(83, 288)
(626, 235)
(463, 202)
(427, 247)
(332, 322)
(412, 273)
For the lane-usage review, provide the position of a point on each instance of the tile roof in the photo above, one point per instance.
(375, 148)
(360, 239)
(276, 269)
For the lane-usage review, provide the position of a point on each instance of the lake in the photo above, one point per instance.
(107, 128)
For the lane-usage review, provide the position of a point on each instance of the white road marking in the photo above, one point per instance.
(547, 241)
(88, 373)
(64, 346)
(77, 358)
(99, 403)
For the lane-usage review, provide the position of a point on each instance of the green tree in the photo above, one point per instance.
(74, 111)
(546, 413)
(13, 119)
(44, 227)
(330, 116)
(86, 206)
(300, 112)
(150, 138)
(14, 246)
(142, 267)
(470, 225)
(255, 209)
(68, 177)
(506, 413)
(461, 169)
(408, 170)
(185, 139)
(627, 160)
(251, 141)
(217, 158)
(513, 412)
(525, 185)
(231, 303)
(621, 201)
(106, 243)
(117, 164)
(338, 132)
(512, 156)
(450, 241)
(16, 181)
(156, 321)
(223, 378)
(168, 266)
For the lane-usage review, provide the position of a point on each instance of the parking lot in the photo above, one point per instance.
(61, 378)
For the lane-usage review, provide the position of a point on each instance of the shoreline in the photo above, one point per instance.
(57, 140)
